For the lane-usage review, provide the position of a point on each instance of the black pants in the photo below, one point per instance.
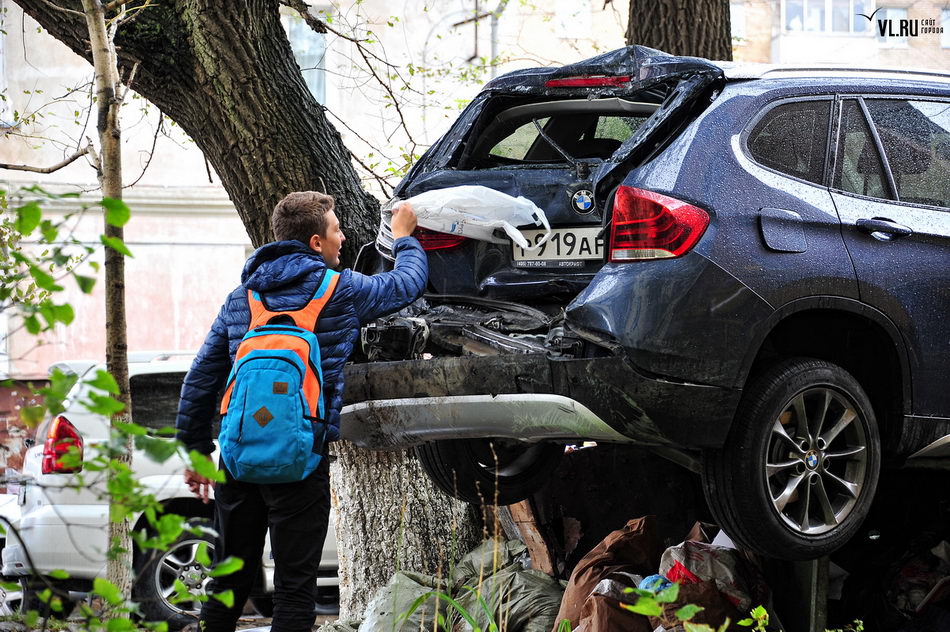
(297, 515)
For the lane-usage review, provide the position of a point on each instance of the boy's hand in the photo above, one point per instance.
(199, 485)
(404, 220)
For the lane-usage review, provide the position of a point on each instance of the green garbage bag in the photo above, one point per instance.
(389, 611)
(492, 585)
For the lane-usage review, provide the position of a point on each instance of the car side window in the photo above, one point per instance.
(858, 168)
(155, 400)
(792, 138)
(916, 140)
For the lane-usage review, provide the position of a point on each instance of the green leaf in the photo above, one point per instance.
(226, 597)
(104, 382)
(202, 465)
(746, 622)
(227, 567)
(668, 595)
(31, 619)
(116, 244)
(63, 313)
(28, 218)
(131, 429)
(32, 324)
(759, 612)
(103, 405)
(201, 555)
(645, 605)
(32, 415)
(688, 611)
(43, 280)
(49, 230)
(117, 212)
(59, 574)
(158, 450)
(9, 586)
(85, 283)
(107, 590)
(120, 624)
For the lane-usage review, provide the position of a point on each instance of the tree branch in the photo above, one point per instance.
(59, 165)
(63, 9)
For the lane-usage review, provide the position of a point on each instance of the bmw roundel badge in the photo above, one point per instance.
(583, 201)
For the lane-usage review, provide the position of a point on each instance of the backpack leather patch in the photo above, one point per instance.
(263, 416)
(280, 388)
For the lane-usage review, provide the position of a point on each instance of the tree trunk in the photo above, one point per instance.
(418, 528)
(119, 564)
(698, 28)
(225, 72)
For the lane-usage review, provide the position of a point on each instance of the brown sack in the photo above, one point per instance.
(633, 549)
(604, 614)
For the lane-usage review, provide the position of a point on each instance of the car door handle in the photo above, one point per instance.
(883, 228)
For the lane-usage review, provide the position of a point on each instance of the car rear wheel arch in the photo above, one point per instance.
(851, 335)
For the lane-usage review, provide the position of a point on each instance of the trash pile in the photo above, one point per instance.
(712, 575)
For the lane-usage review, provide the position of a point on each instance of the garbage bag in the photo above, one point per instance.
(633, 549)
(477, 212)
(389, 609)
(694, 562)
(603, 610)
(492, 580)
(488, 558)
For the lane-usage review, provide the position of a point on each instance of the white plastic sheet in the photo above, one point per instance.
(477, 212)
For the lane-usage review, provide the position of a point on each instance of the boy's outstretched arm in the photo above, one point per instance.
(381, 294)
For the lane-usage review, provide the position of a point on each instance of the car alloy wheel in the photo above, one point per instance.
(797, 473)
(180, 563)
(816, 461)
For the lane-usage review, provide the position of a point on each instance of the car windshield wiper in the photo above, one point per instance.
(581, 168)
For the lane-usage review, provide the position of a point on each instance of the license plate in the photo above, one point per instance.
(567, 248)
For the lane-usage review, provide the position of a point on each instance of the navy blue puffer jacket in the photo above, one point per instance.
(287, 273)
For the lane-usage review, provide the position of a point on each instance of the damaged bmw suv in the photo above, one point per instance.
(748, 272)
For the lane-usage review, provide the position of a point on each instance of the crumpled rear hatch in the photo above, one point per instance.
(563, 138)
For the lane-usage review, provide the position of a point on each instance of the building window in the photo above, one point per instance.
(737, 19)
(892, 16)
(310, 49)
(827, 16)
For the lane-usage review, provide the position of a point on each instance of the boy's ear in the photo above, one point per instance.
(315, 244)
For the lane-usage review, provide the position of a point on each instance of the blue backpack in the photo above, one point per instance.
(272, 426)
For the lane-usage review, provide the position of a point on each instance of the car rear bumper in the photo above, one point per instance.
(392, 405)
(67, 537)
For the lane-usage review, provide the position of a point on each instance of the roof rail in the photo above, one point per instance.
(743, 70)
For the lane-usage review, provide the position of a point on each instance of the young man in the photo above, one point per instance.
(285, 274)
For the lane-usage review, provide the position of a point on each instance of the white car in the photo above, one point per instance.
(63, 527)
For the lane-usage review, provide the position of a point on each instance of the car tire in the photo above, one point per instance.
(797, 474)
(466, 468)
(30, 590)
(156, 571)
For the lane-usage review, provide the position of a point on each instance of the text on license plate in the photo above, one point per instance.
(566, 247)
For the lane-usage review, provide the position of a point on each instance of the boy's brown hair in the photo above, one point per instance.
(301, 215)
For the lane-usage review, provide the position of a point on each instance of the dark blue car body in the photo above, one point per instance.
(790, 266)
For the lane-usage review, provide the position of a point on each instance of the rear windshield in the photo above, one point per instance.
(591, 136)
(525, 133)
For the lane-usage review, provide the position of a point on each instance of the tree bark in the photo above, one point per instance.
(119, 562)
(697, 28)
(417, 528)
(225, 72)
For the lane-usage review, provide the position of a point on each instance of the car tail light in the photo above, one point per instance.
(61, 436)
(434, 240)
(647, 225)
(588, 81)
